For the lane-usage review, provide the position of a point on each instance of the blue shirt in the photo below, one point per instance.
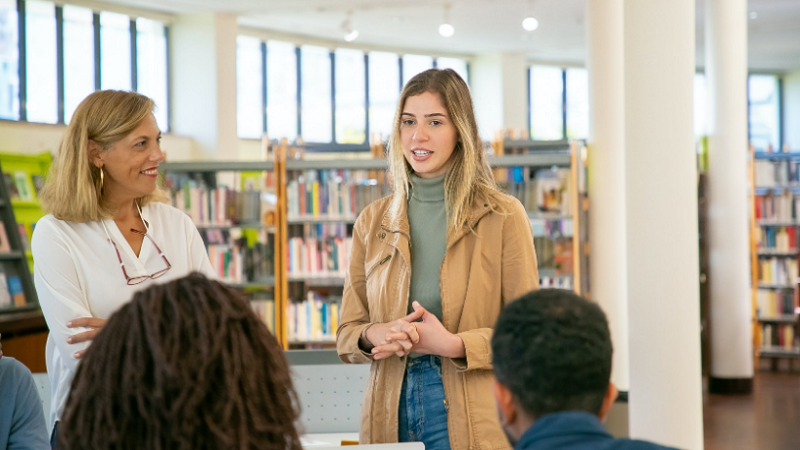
(575, 430)
(22, 422)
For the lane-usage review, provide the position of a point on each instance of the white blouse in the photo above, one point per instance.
(77, 274)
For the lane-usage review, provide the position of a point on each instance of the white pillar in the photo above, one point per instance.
(608, 260)
(728, 221)
(203, 49)
(499, 86)
(661, 202)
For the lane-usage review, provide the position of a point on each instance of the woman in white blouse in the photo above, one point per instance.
(108, 233)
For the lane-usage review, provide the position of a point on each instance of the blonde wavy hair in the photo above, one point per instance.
(73, 191)
(469, 175)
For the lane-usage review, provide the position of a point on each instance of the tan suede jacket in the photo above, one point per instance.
(483, 269)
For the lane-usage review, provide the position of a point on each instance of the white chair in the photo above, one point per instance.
(43, 386)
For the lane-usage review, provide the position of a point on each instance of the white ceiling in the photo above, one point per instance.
(483, 25)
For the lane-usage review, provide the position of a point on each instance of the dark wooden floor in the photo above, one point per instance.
(768, 419)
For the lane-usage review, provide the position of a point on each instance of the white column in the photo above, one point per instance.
(203, 49)
(728, 221)
(608, 259)
(661, 203)
(499, 86)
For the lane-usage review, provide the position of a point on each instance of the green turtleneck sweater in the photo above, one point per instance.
(427, 218)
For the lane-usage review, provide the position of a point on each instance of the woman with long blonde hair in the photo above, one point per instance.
(431, 267)
(108, 233)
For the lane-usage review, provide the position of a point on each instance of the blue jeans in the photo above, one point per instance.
(423, 408)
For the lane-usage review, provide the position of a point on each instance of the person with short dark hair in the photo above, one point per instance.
(551, 352)
(184, 365)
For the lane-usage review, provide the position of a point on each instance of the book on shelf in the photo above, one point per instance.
(25, 235)
(334, 193)
(776, 173)
(315, 319)
(221, 205)
(322, 251)
(555, 282)
(239, 256)
(549, 191)
(780, 335)
(777, 239)
(780, 207)
(778, 271)
(775, 303)
(5, 245)
(263, 304)
(11, 186)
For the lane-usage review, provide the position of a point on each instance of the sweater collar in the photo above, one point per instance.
(570, 423)
(428, 189)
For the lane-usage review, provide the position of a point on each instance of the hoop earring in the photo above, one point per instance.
(101, 179)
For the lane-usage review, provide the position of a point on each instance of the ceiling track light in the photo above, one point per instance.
(446, 29)
(350, 33)
(529, 23)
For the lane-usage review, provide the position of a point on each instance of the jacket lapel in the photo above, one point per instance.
(397, 232)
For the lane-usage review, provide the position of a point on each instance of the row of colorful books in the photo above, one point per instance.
(554, 254)
(774, 303)
(237, 258)
(779, 239)
(332, 193)
(22, 186)
(780, 335)
(223, 206)
(778, 271)
(552, 228)
(777, 173)
(557, 282)
(314, 319)
(778, 207)
(263, 304)
(549, 191)
(11, 292)
(322, 250)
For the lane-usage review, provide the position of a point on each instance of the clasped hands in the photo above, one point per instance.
(419, 332)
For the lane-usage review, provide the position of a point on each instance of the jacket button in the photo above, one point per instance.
(383, 235)
(485, 204)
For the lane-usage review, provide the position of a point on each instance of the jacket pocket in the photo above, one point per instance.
(372, 268)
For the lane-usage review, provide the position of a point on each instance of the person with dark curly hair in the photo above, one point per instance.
(551, 352)
(184, 365)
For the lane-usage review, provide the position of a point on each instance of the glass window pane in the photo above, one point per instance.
(384, 80)
(115, 51)
(9, 60)
(41, 70)
(577, 104)
(700, 105)
(151, 66)
(316, 93)
(249, 116)
(764, 111)
(457, 64)
(281, 90)
(547, 90)
(414, 64)
(78, 57)
(350, 97)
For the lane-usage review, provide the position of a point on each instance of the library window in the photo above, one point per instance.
(414, 64)
(151, 66)
(764, 101)
(351, 88)
(281, 90)
(458, 65)
(9, 60)
(384, 82)
(115, 51)
(577, 104)
(78, 57)
(249, 80)
(41, 79)
(316, 95)
(547, 103)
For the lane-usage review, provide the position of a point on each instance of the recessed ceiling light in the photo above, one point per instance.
(530, 24)
(350, 37)
(446, 29)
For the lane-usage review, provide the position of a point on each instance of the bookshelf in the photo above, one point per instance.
(17, 293)
(316, 203)
(774, 254)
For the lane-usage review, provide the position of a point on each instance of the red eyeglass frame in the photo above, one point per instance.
(142, 278)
